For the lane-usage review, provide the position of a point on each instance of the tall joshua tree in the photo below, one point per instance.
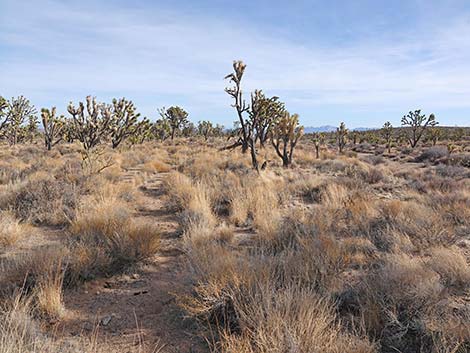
(435, 133)
(3, 115)
(417, 124)
(161, 129)
(341, 136)
(318, 140)
(18, 111)
(54, 127)
(387, 134)
(124, 121)
(285, 135)
(91, 124)
(177, 118)
(264, 113)
(246, 130)
(205, 129)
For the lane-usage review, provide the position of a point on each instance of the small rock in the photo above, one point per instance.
(106, 320)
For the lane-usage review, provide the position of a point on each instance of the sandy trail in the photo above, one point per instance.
(137, 311)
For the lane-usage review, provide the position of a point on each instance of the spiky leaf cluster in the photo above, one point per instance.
(123, 121)
(54, 127)
(91, 123)
(284, 136)
(341, 136)
(417, 124)
(177, 118)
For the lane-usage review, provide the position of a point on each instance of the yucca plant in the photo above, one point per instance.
(284, 137)
(54, 127)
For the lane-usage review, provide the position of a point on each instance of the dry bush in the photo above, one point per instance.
(11, 230)
(291, 319)
(394, 301)
(257, 201)
(433, 154)
(106, 239)
(47, 293)
(451, 265)
(307, 187)
(20, 332)
(44, 200)
(25, 270)
(156, 166)
(193, 198)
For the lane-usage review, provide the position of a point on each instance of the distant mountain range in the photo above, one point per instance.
(331, 128)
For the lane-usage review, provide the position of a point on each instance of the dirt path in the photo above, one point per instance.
(137, 312)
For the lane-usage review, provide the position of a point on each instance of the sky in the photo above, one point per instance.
(362, 62)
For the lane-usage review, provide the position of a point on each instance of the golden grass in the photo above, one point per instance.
(331, 255)
(107, 238)
(11, 230)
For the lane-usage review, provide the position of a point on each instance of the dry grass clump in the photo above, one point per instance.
(44, 200)
(38, 276)
(451, 265)
(291, 319)
(106, 239)
(11, 230)
(20, 332)
(256, 202)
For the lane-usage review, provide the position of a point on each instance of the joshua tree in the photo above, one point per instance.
(91, 124)
(69, 130)
(141, 131)
(435, 134)
(264, 112)
(354, 137)
(3, 115)
(218, 130)
(318, 140)
(341, 136)
(387, 134)
(239, 103)
(32, 127)
(245, 130)
(18, 111)
(54, 127)
(188, 129)
(205, 128)
(176, 117)
(284, 136)
(417, 124)
(123, 122)
(161, 129)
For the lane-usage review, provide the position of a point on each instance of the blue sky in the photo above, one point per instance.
(362, 62)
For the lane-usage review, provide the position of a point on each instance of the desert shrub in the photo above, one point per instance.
(432, 154)
(373, 176)
(106, 239)
(45, 201)
(21, 332)
(306, 187)
(462, 159)
(256, 201)
(451, 265)
(25, 272)
(374, 159)
(288, 319)
(444, 185)
(452, 171)
(406, 150)
(394, 300)
(379, 150)
(11, 230)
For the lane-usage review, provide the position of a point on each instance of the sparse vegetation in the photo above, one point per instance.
(361, 245)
